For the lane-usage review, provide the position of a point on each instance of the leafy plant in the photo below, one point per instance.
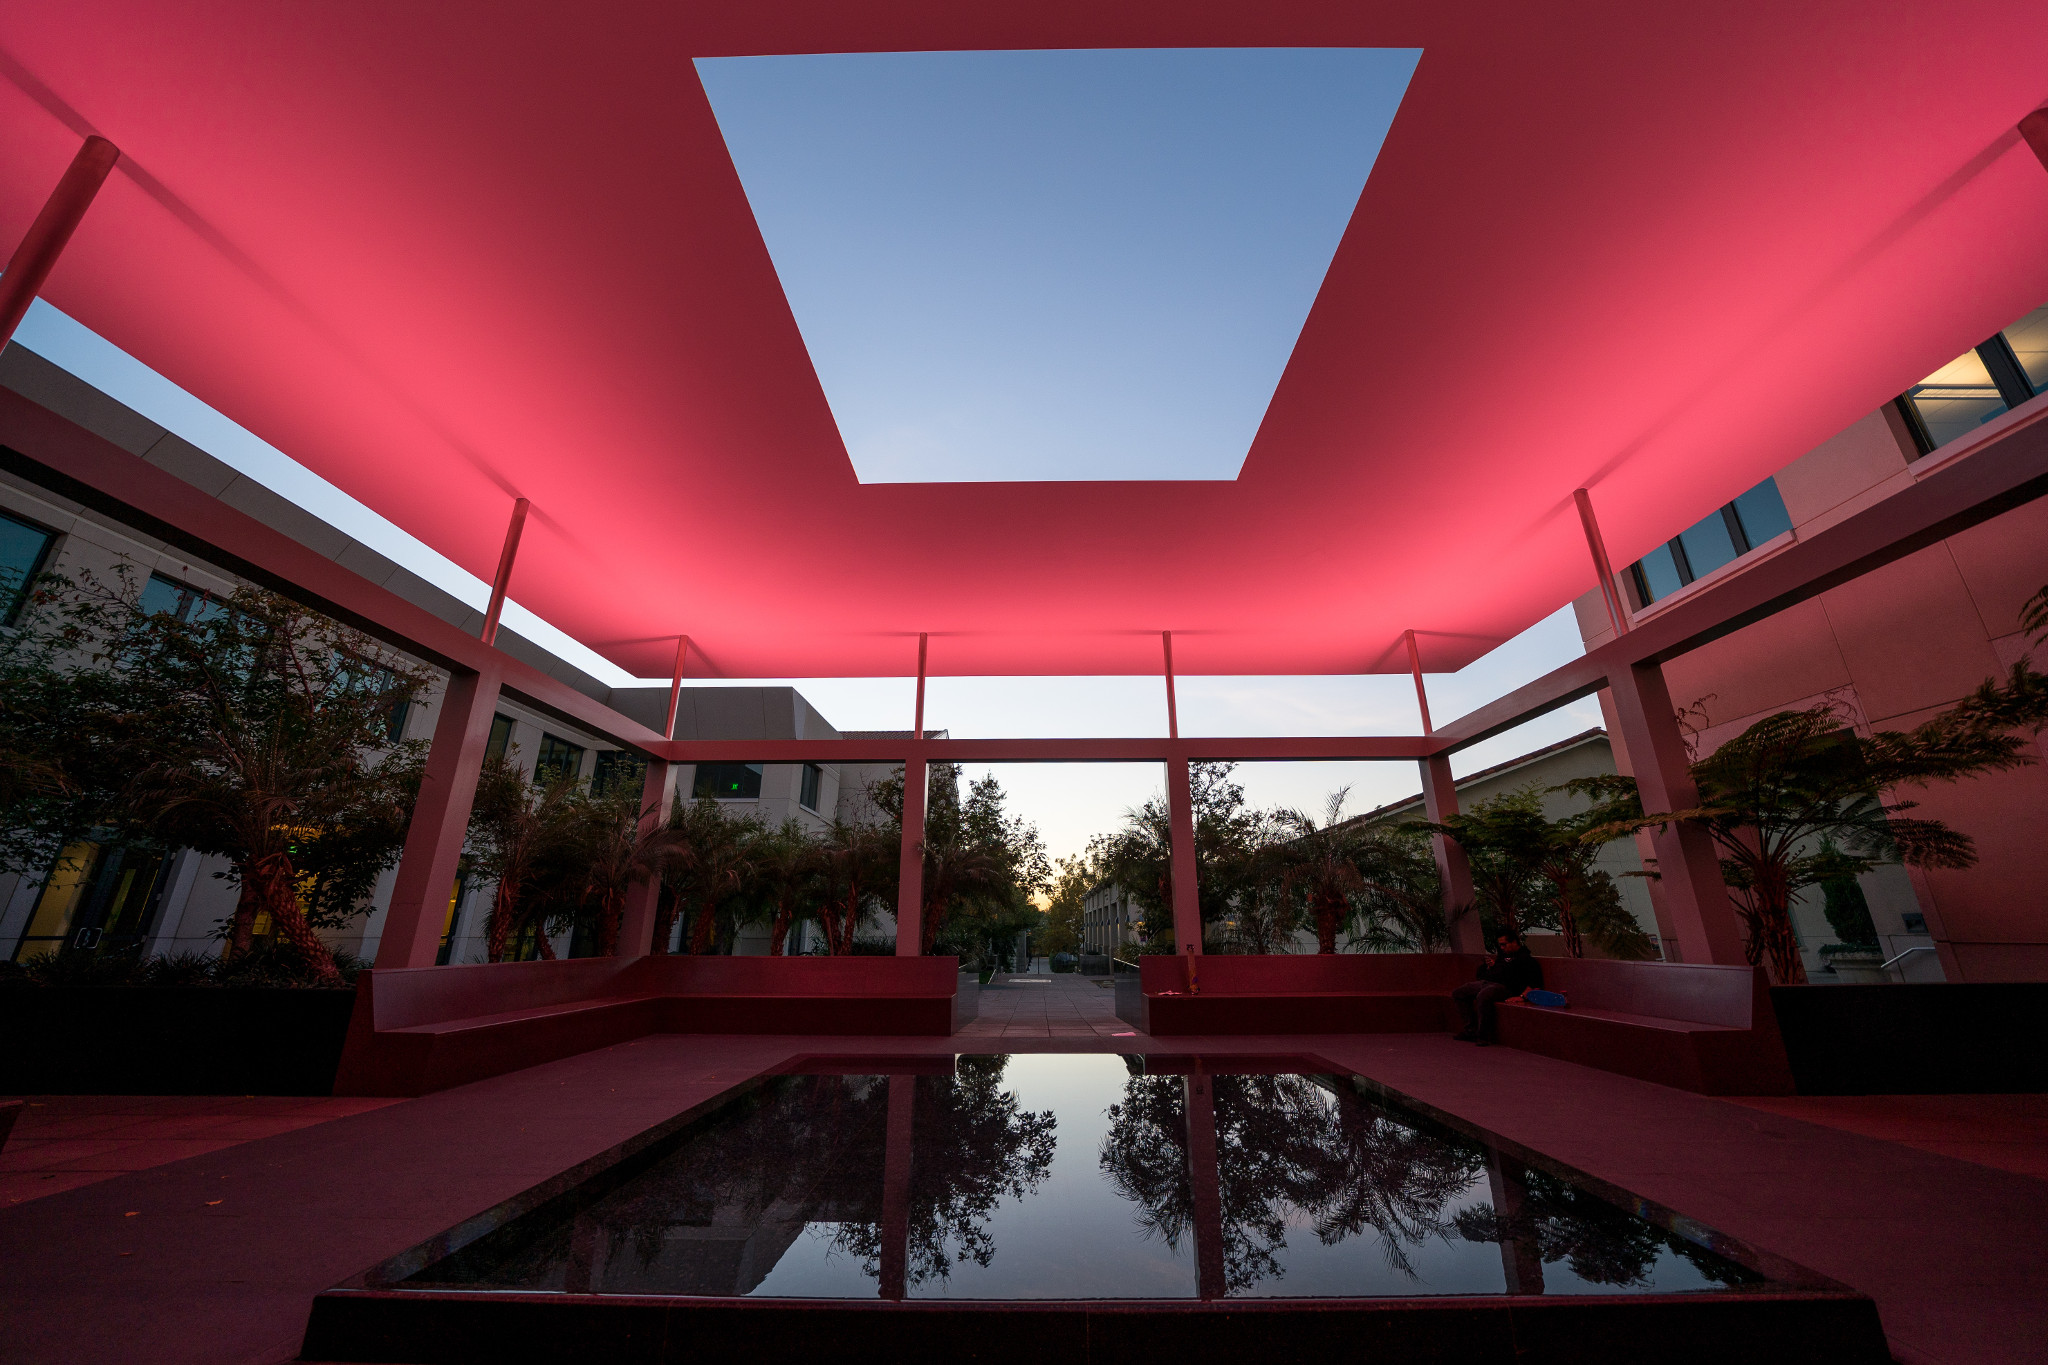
(1530, 871)
(249, 728)
(1799, 799)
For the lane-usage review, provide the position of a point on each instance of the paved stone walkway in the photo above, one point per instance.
(61, 1142)
(1067, 1005)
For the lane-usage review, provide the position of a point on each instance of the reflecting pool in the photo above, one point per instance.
(1068, 1177)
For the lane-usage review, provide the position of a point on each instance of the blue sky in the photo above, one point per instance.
(1060, 264)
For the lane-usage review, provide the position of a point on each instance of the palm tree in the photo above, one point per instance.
(1800, 799)
(862, 865)
(1341, 870)
(709, 860)
(789, 879)
(514, 825)
(1532, 871)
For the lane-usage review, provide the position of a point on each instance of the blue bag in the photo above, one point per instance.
(1550, 1000)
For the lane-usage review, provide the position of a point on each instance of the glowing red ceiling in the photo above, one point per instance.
(453, 253)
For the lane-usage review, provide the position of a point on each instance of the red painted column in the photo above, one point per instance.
(1603, 567)
(2034, 128)
(896, 1168)
(30, 265)
(1453, 870)
(1695, 898)
(910, 872)
(502, 580)
(636, 930)
(1439, 803)
(1180, 809)
(1204, 1186)
(440, 822)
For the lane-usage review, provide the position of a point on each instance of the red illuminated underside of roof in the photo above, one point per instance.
(451, 255)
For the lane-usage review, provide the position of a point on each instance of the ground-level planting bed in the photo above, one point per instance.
(1083, 1207)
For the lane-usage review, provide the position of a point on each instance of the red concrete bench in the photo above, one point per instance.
(1706, 1029)
(1288, 993)
(417, 1030)
(1702, 1028)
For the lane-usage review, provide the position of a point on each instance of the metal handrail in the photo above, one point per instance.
(1923, 948)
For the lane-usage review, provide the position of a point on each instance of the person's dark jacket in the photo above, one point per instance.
(1518, 971)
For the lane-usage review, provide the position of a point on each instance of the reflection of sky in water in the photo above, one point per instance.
(1074, 1237)
(1024, 1186)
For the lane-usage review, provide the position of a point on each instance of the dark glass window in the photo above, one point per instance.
(617, 770)
(1707, 545)
(1724, 537)
(728, 781)
(814, 777)
(181, 600)
(1762, 515)
(501, 737)
(1657, 575)
(95, 896)
(24, 550)
(558, 757)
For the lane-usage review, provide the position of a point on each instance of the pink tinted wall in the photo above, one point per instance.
(1893, 648)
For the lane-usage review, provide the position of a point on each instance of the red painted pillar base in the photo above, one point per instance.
(440, 823)
(1689, 870)
(1461, 911)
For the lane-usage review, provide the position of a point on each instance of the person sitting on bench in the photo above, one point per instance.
(1508, 975)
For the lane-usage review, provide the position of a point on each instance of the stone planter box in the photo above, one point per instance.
(171, 1040)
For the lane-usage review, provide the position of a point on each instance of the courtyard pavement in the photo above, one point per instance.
(214, 1258)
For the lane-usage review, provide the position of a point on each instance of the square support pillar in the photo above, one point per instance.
(440, 823)
(1696, 901)
(1187, 904)
(910, 873)
(636, 929)
(1454, 872)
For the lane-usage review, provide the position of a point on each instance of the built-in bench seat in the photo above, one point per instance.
(1702, 1028)
(422, 1029)
(1250, 994)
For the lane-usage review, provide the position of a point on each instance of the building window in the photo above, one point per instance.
(1722, 538)
(728, 781)
(455, 895)
(558, 758)
(617, 770)
(170, 597)
(95, 897)
(1979, 384)
(813, 781)
(24, 550)
(501, 737)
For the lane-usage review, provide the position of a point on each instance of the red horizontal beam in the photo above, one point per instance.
(2001, 467)
(53, 453)
(1191, 748)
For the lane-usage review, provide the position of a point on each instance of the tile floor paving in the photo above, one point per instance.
(108, 1272)
(1067, 1005)
(61, 1142)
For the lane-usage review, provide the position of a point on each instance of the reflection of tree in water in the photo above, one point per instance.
(809, 1148)
(1285, 1144)
(1600, 1243)
(975, 1147)
(715, 1214)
